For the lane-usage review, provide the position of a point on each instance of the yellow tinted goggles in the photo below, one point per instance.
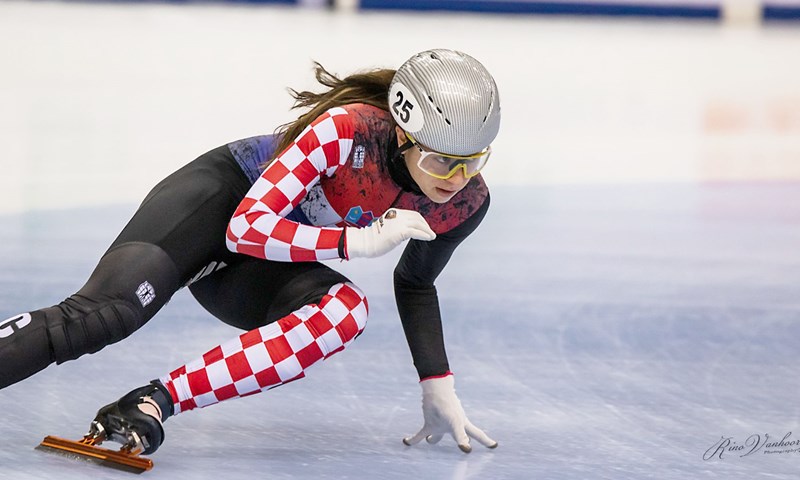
(443, 166)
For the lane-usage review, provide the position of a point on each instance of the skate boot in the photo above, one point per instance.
(135, 420)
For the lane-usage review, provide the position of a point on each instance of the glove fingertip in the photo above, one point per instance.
(433, 439)
(466, 448)
(494, 445)
(407, 441)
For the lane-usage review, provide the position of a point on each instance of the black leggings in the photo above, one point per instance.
(175, 238)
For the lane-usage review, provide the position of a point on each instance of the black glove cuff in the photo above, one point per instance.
(341, 244)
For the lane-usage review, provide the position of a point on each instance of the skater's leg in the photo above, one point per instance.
(252, 292)
(177, 230)
(258, 360)
(187, 213)
(272, 355)
(129, 285)
(297, 314)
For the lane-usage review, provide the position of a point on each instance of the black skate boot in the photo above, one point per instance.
(135, 419)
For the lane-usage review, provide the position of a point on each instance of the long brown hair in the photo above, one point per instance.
(370, 87)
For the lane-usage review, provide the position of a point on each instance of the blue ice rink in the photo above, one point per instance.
(631, 300)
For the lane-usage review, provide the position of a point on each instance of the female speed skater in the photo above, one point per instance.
(380, 157)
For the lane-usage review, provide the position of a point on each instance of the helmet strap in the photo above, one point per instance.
(398, 169)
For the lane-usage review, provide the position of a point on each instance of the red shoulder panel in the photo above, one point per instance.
(443, 217)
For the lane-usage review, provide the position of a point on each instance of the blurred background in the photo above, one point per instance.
(102, 99)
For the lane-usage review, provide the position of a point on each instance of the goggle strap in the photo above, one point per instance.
(405, 146)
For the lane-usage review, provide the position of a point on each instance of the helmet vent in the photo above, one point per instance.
(491, 106)
(438, 109)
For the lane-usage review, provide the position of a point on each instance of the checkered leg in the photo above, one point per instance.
(272, 355)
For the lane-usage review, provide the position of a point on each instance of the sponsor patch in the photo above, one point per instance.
(358, 217)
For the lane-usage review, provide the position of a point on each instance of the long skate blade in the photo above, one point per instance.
(82, 450)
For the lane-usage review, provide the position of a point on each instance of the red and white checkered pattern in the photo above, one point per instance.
(272, 355)
(257, 227)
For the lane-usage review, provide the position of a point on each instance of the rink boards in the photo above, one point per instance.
(687, 9)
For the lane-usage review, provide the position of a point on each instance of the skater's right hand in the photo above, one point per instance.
(390, 230)
(444, 415)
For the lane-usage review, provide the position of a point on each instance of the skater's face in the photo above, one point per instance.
(439, 190)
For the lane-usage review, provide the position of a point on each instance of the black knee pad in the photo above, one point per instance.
(130, 284)
(77, 327)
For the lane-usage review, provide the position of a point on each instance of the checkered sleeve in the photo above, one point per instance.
(258, 226)
(272, 355)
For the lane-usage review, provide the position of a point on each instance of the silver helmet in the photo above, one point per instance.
(447, 101)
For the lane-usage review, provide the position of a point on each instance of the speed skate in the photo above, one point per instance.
(127, 458)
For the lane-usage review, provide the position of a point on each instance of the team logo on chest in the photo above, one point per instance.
(357, 216)
(358, 156)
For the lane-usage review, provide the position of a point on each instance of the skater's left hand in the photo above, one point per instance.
(444, 415)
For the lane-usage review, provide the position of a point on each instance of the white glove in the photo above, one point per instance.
(390, 230)
(443, 414)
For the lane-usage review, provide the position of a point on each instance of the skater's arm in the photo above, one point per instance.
(417, 299)
(258, 228)
(418, 305)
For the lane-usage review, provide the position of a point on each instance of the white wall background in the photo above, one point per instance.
(99, 101)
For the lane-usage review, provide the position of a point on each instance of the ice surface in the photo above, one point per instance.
(596, 332)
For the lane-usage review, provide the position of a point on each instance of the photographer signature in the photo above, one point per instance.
(726, 446)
